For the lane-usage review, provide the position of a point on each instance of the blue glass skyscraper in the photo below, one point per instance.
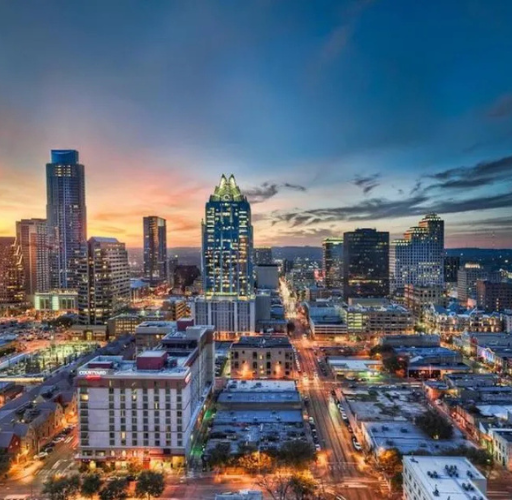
(227, 236)
(66, 217)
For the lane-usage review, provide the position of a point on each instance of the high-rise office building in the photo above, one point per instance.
(227, 243)
(332, 262)
(66, 216)
(494, 296)
(155, 249)
(12, 289)
(418, 258)
(104, 286)
(263, 256)
(365, 263)
(467, 277)
(32, 236)
(451, 267)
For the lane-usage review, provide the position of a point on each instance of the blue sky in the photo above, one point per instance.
(332, 115)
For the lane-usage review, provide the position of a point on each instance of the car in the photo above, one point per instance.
(439, 402)
(41, 455)
(356, 445)
(311, 420)
(344, 415)
(333, 392)
(350, 429)
(318, 447)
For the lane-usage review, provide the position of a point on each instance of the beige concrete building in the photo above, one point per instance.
(262, 357)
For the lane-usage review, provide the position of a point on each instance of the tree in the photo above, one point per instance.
(290, 327)
(276, 485)
(435, 425)
(296, 453)
(219, 455)
(61, 488)
(150, 484)
(392, 363)
(391, 461)
(115, 490)
(303, 486)
(476, 456)
(397, 481)
(91, 485)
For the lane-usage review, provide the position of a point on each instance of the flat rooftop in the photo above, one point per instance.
(353, 364)
(270, 397)
(261, 385)
(263, 342)
(447, 475)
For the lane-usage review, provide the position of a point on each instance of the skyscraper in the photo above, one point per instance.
(332, 262)
(104, 286)
(12, 290)
(418, 258)
(227, 243)
(155, 249)
(32, 236)
(263, 255)
(66, 216)
(365, 263)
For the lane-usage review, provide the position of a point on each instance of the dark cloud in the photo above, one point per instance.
(367, 183)
(416, 188)
(481, 174)
(268, 190)
(380, 208)
(502, 108)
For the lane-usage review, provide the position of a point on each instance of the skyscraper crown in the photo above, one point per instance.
(227, 190)
(65, 156)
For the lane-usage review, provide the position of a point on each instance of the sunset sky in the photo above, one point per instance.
(331, 115)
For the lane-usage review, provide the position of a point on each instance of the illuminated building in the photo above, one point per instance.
(332, 262)
(365, 263)
(467, 277)
(451, 267)
(12, 289)
(262, 357)
(104, 288)
(56, 300)
(263, 256)
(66, 217)
(32, 236)
(430, 478)
(417, 297)
(493, 297)
(146, 410)
(418, 258)
(227, 243)
(155, 249)
(227, 253)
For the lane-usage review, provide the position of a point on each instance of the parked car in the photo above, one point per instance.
(356, 445)
(41, 456)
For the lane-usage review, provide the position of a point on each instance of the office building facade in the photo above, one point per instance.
(66, 217)
(12, 284)
(332, 262)
(262, 357)
(467, 277)
(155, 249)
(365, 263)
(32, 236)
(263, 256)
(494, 297)
(418, 258)
(225, 314)
(227, 243)
(145, 411)
(451, 267)
(104, 287)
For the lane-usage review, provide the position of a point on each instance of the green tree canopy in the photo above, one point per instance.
(150, 484)
(91, 485)
(115, 490)
(435, 425)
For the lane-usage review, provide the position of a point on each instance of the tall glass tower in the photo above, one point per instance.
(418, 258)
(332, 262)
(227, 243)
(365, 263)
(155, 249)
(66, 216)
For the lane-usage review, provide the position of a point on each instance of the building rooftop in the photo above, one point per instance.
(263, 342)
(261, 385)
(353, 364)
(453, 478)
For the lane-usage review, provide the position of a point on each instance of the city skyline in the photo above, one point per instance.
(328, 124)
